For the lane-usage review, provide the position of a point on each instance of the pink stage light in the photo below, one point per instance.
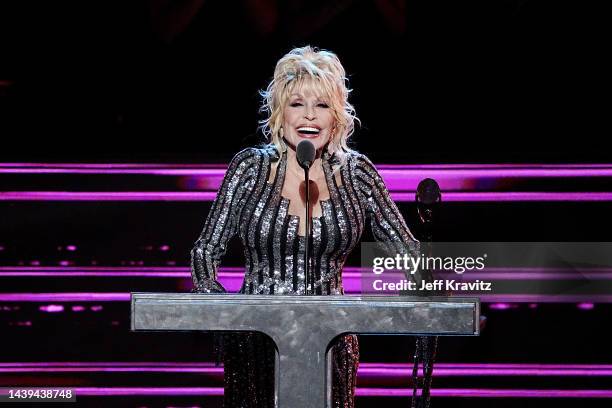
(366, 370)
(51, 308)
(361, 392)
(586, 306)
(204, 196)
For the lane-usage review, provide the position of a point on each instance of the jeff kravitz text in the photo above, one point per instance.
(436, 285)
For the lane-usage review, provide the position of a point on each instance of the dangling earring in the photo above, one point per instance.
(336, 139)
(283, 142)
(330, 143)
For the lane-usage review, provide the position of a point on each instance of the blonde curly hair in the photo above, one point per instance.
(321, 71)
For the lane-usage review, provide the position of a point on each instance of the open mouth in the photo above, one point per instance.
(308, 131)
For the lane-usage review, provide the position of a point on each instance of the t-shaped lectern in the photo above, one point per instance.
(304, 326)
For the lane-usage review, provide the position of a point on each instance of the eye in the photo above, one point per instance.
(323, 105)
(294, 104)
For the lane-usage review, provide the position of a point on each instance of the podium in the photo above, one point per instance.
(302, 327)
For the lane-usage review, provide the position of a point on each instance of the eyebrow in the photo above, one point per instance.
(300, 96)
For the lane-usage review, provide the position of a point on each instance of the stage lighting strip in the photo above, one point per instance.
(234, 275)
(360, 392)
(459, 183)
(126, 297)
(210, 169)
(231, 278)
(366, 371)
(210, 196)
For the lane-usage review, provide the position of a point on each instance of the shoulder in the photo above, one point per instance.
(245, 155)
(252, 157)
(361, 165)
(256, 153)
(358, 159)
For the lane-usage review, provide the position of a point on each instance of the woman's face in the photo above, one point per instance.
(307, 116)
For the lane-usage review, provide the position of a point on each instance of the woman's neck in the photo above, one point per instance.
(315, 172)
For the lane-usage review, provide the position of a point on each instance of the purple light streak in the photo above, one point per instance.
(536, 298)
(147, 391)
(205, 196)
(366, 370)
(125, 297)
(210, 171)
(502, 306)
(214, 170)
(65, 297)
(488, 369)
(486, 393)
(232, 277)
(459, 182)
(586, 306)
(349, 272)
(361, 392)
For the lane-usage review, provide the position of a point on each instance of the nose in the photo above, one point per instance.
(309, 113)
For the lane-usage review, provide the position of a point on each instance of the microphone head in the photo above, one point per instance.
(305, 152)
(428, 198)
(428, 192)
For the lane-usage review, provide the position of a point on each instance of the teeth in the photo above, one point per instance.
(308, 129)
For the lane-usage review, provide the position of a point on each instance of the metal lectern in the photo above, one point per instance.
(303, 327)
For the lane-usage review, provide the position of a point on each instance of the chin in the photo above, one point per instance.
(317, 141)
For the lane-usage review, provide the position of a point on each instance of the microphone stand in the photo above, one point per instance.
(305, 154)
(307, 235)
(428, 200)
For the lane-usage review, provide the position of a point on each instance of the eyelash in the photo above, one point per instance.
(322, 105)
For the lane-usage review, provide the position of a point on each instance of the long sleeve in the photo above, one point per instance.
(221, 224)
(390, 229)
(387, 223)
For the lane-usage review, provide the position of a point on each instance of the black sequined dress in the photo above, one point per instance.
(250, 205)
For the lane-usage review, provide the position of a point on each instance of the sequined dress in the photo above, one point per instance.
(249, 204)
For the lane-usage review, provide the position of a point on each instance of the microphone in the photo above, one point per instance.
(305, 152)
(427, 197)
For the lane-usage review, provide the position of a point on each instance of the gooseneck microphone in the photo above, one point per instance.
(305, 152)
(428, 199)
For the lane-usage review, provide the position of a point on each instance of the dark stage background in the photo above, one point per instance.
(477, 80)
(164, 82)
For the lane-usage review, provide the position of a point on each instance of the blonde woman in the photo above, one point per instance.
(262, 201)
